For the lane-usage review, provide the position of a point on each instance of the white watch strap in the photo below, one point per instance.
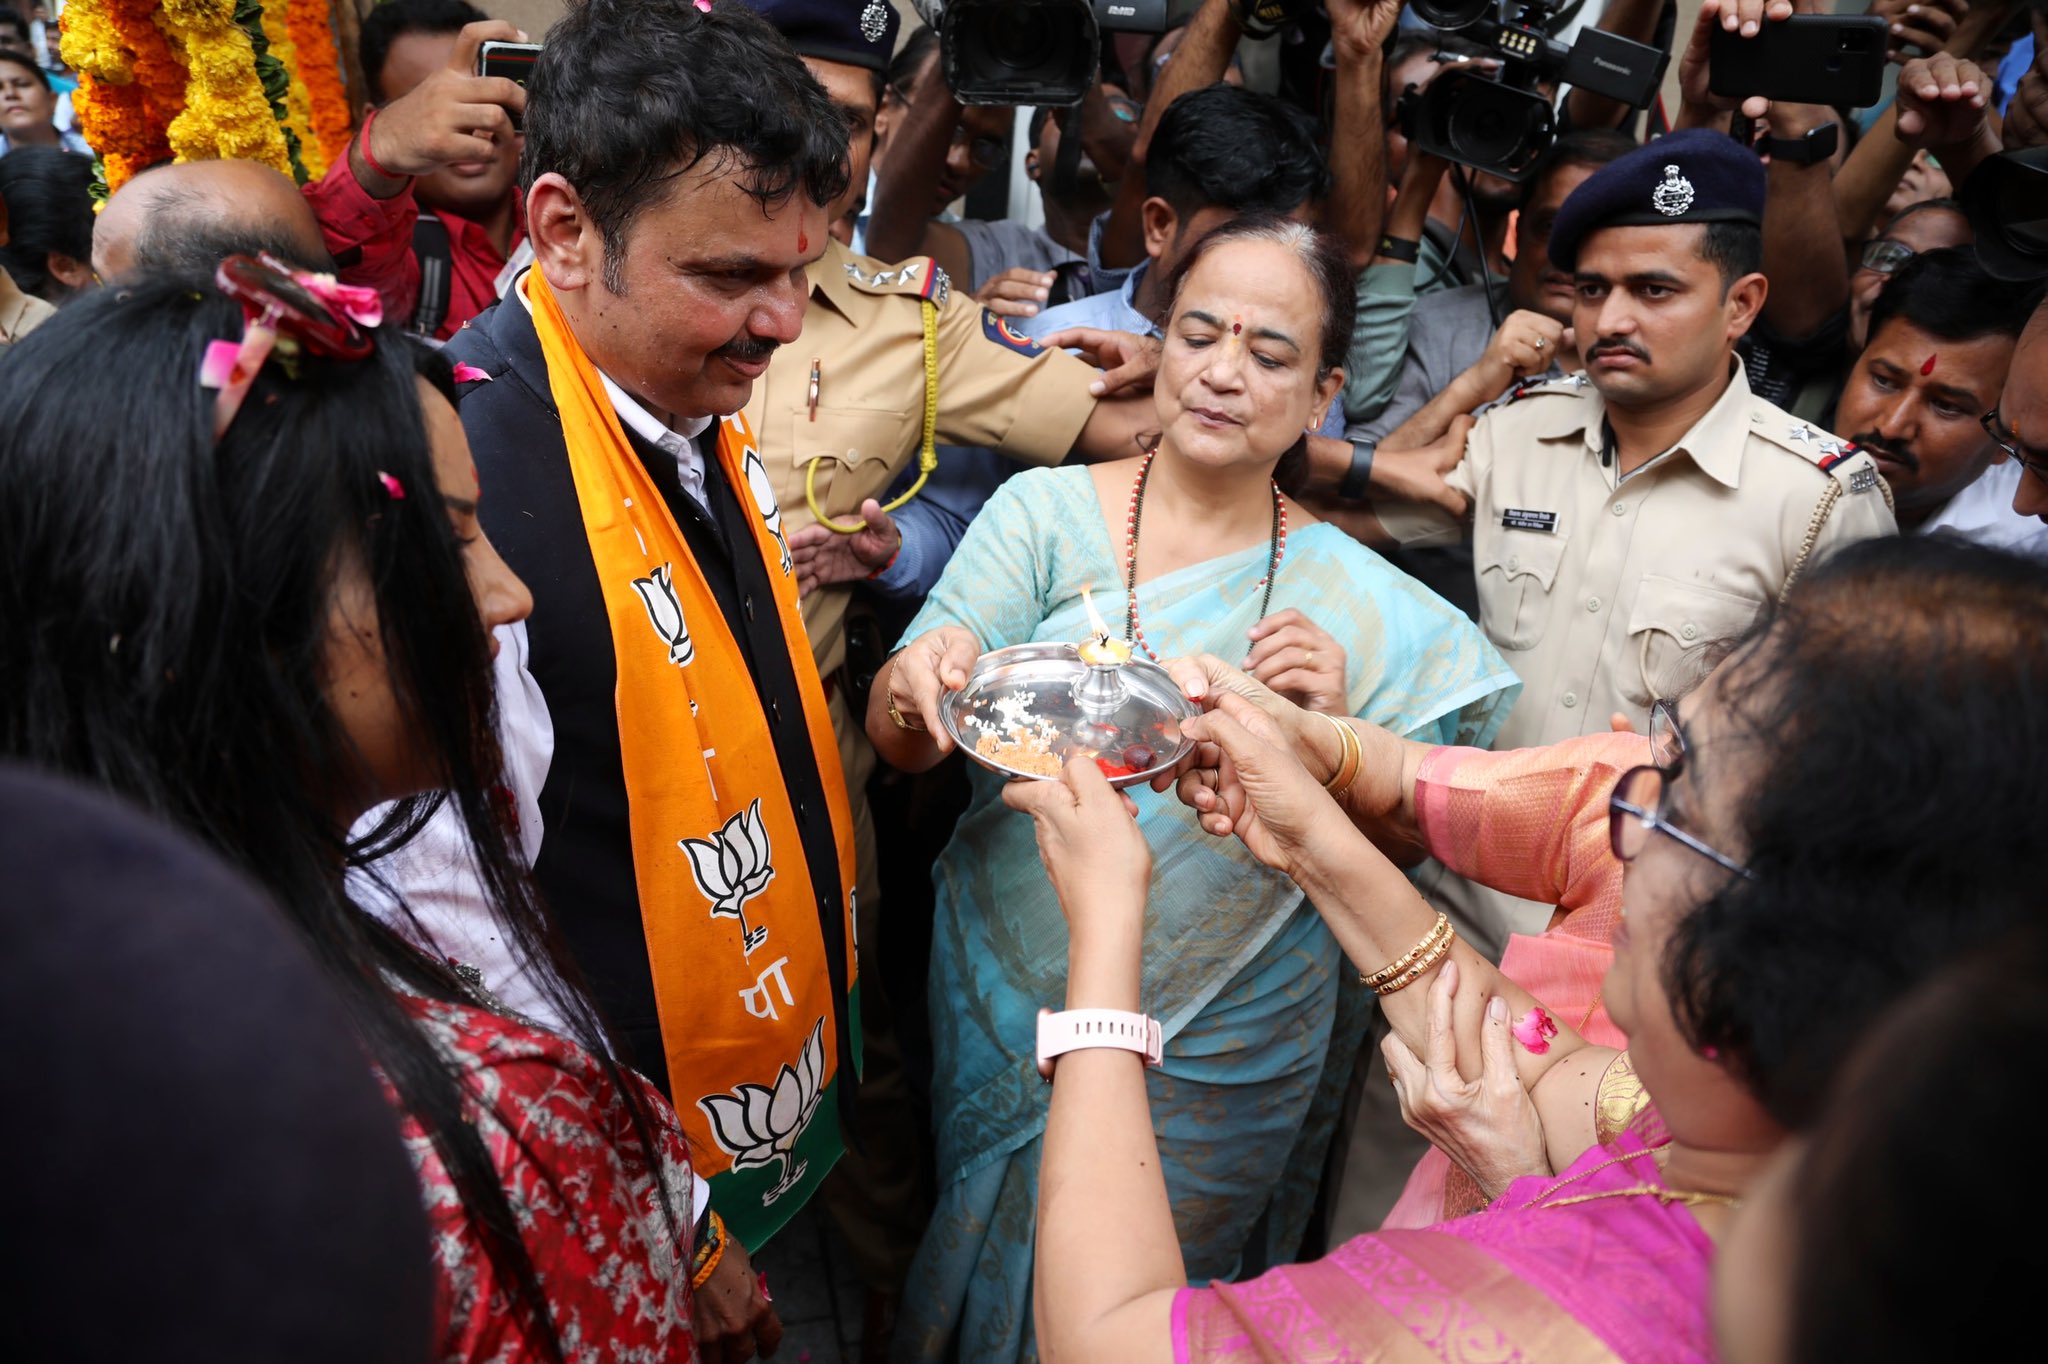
(1080, 1029)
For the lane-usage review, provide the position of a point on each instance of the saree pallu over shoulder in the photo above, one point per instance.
(1622, 1277)
(1245, 978)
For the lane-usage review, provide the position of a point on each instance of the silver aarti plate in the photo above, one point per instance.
(1041, 688)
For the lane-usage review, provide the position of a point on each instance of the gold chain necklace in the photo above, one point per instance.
(1691, 1198)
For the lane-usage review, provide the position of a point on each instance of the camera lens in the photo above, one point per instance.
(1020, 37)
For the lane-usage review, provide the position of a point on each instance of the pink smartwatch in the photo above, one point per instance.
(1081, 1029)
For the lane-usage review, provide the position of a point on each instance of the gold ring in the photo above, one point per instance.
(1541, 342)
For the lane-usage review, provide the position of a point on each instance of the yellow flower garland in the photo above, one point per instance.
(298, 102)
(226, 115)
(131, 83)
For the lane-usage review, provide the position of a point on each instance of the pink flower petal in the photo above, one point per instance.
(705, 5)
(393, 489)
(466, 373)
(217, 366)
(1534, 1030)
(360, 305)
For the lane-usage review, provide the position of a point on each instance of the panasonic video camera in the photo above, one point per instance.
(1500, 122)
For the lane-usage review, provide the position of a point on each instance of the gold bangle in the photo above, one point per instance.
(1419, 969)
(901, 723)
(1354, 757)
(1439, 932)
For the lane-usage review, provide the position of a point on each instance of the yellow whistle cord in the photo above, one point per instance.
(927, 453)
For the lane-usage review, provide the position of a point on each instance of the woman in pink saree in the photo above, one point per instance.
(1756, 943)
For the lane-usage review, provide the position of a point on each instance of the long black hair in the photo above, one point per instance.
(1894, 713)
(164, 614)
(48, 194)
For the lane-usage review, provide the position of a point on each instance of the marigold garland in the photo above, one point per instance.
(298, 101)
(311, 25)
(274, 78)
(131, 84)
(226, 115)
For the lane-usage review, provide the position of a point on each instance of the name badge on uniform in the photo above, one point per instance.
(1514, 519)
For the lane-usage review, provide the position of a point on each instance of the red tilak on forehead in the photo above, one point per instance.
(803, 241)
(1928, 368)
(1237, 329)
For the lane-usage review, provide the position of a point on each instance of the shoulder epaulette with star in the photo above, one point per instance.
(920, 277)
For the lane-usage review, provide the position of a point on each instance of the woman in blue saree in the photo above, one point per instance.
(1192, 549)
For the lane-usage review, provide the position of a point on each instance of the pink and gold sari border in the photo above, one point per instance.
(1422, 1297)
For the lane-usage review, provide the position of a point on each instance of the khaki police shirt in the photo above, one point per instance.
(1605, 593)
(864, 330)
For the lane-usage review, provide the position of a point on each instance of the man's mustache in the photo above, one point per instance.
(749, 350)
(1891, 450)
(1609, 345)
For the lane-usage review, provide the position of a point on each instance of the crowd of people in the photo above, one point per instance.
(475, 704)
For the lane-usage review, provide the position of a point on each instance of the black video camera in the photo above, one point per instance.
(1499, 122)
(1040, 52)
(2006, 200)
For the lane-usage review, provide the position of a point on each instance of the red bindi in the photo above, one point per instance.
(1237, 329)
(803, 241)
(1927, 368)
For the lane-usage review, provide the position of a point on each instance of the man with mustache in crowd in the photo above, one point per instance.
(1942, 334)
(1628, 517)
(670, 764)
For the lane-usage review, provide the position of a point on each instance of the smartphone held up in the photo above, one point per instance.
(513, 61)
(1833, 59)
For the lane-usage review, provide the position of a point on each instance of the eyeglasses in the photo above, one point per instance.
(286, 312)
(1636, 809)
(2010, 443)
(1667, 738)
(1884, 255)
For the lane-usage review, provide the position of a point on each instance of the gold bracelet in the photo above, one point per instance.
(1420, 968)
(1354, 757)
(1438, 932)
(901, 723)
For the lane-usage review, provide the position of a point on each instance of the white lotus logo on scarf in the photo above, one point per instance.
(756, 1124)
(658, 594)
(764, 500)
(733, 866)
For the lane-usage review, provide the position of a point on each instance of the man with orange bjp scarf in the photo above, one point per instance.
(669, 757)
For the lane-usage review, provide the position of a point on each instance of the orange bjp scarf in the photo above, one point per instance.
(740, 973)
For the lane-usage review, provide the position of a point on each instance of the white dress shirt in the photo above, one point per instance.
(1983, 512)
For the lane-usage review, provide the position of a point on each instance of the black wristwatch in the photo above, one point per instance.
(1818, 145)
(1357, 479)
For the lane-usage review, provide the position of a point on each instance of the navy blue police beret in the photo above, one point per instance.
(856, 32)
(1693, 176)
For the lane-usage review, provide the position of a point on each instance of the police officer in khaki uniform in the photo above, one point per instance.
(890, 363)
(1626, 518)
(841, 411)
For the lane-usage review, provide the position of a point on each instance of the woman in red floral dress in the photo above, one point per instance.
(244, 586)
